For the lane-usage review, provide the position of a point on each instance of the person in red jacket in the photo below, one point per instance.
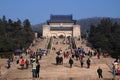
(98, 55)
(22, 63)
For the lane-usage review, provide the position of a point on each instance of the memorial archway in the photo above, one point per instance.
(61, 35)
(69, 35)
(54, 35)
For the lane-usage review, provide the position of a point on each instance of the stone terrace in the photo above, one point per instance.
(51, 71)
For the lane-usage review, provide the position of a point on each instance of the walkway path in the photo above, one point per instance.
(51, 71)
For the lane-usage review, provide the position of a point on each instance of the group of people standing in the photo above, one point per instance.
(32, 61)
(35, 69)
(59, 60)
(23, 63)
(80, 54)
(88, 61)
(115, 67)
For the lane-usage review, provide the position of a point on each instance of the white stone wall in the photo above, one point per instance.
(58, 33)
(36, 34)
(75, 32)
(46, 31)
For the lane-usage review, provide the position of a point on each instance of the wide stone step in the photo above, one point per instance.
(50, 71)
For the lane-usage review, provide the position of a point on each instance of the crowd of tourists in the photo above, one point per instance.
(115, 67)
(79, 55)
(32, 60)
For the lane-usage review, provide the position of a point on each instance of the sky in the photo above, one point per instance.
(39, 11)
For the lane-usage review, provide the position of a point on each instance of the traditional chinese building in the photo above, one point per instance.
(61, 25)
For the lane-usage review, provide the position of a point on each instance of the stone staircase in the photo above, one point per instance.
(41, 43)
(51, 71)
(83, 43)
(60, 44)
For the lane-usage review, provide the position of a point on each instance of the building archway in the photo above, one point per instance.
(61, 35)
(69, 35)
(54, 35)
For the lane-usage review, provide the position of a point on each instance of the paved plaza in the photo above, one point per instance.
(50, 71)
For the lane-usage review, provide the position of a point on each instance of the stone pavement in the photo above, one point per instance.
(51, 71)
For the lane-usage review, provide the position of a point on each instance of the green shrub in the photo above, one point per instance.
(73, 44)
(6, 54)
(49, 44)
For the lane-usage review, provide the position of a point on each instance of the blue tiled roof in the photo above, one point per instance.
(61, 18)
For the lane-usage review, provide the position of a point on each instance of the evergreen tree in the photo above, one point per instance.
(13, 35)
(106, 36)
(27, 25)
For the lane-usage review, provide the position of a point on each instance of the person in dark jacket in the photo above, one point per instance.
(99, 71)
(8, 63)
(37, 70)
(27, 63)
(81, 62)
(61, 60)
(70, 62)
(57, 60)
(88, 63)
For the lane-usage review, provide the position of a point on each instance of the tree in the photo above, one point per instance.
(3, 24)
(10, 22)
(106, 36)
(2, 29)
(13, 35)
(19, 23)
(27, 25)
(4, 20)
